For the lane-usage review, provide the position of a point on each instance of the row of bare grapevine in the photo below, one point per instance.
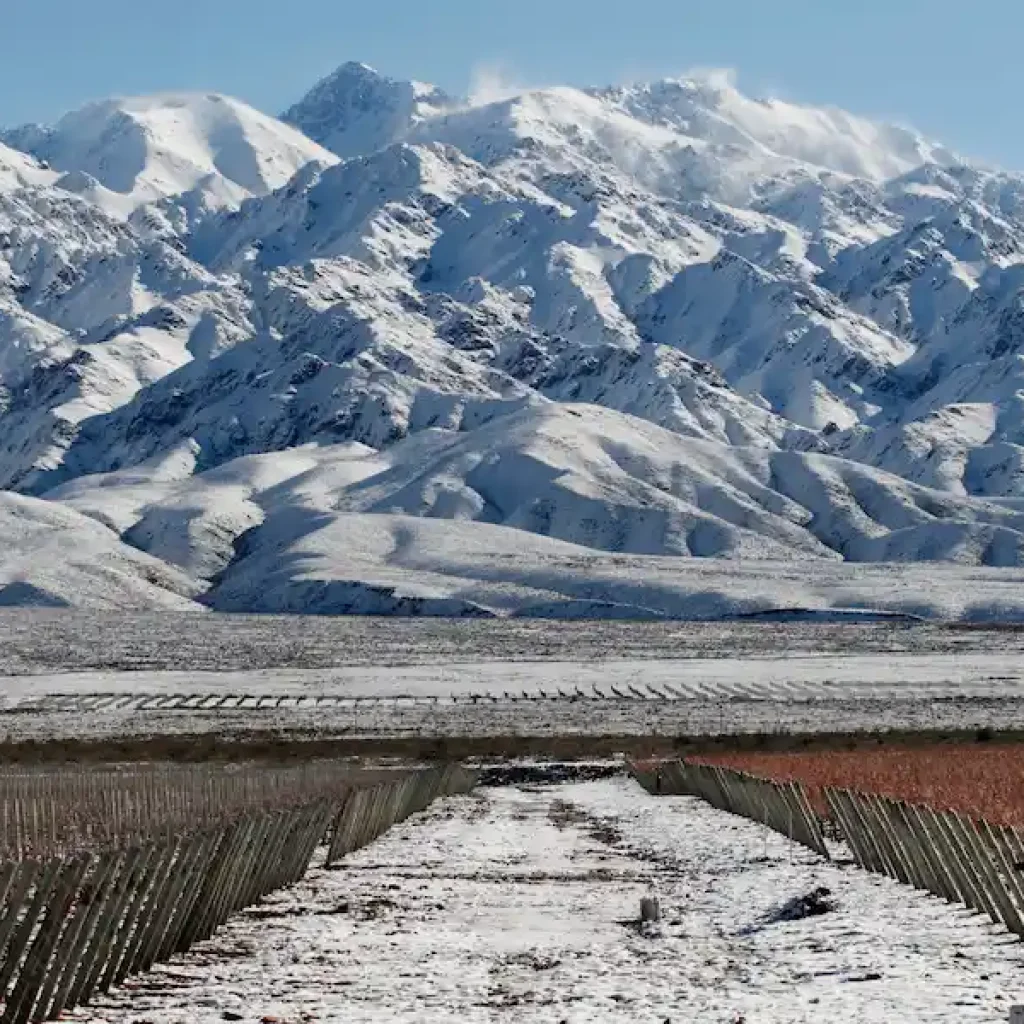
(984, 780)
(960, 857)
(106, 871)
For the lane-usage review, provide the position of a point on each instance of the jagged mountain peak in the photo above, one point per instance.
(671, 121)
(711, 106)
(355, 110)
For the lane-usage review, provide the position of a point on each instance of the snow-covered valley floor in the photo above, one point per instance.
(99, 677)
(516, 904)
(40, 641)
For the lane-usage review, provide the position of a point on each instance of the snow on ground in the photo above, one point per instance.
(804, 677)
(98, 676)
(639, 721)
(519, 905)
(42, 642)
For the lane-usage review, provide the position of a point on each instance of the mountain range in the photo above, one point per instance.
(660, 349)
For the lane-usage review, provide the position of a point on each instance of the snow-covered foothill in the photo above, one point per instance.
(560, 509)
(54, 557)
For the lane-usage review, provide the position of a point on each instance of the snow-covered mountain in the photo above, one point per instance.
(657, 323)
(148, 148)
(356, 111)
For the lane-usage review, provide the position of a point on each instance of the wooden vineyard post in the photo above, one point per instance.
(1013, 867)
(137, 862)
(300, 849)
(802, 826)
(853, 838)
(1002, 910)
(360, 823)
(861, 823)
(372, 826)
(127, 910)
(315, 834)
(98, 950)
(250, 861)
(343, 827)
(839, 806)
(865, 814)
(9, 874)
(927, 869)
(202, 908)
(782, 807)
(952, 857)
(230, 876)
(22, 934)
(265, 857)
(17, 892)
(900, 866)
(32, 976)
(286, 868)
(75, 934)
(152, 913)
(977, 889)
(77, 957)
(189, 847)
(136, 917)
(207, 848)
(948, 881)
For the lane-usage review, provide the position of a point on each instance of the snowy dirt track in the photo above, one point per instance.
(516, 904)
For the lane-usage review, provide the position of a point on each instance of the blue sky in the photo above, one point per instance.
(949, 68)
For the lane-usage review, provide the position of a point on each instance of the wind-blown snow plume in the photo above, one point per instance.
(493, 83)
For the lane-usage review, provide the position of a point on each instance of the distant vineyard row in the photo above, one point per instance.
(983, 780)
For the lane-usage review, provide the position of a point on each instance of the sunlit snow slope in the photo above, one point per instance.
(574, 351)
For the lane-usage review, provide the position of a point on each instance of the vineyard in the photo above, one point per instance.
(106, 872)
(983, 780)
(219, 853)
(109, 872)
(883, 812)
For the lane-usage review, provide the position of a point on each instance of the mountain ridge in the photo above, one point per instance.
(815, 319)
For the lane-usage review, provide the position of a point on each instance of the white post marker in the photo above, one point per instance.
(1017, 1015)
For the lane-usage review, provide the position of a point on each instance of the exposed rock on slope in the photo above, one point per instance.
(648, 321)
